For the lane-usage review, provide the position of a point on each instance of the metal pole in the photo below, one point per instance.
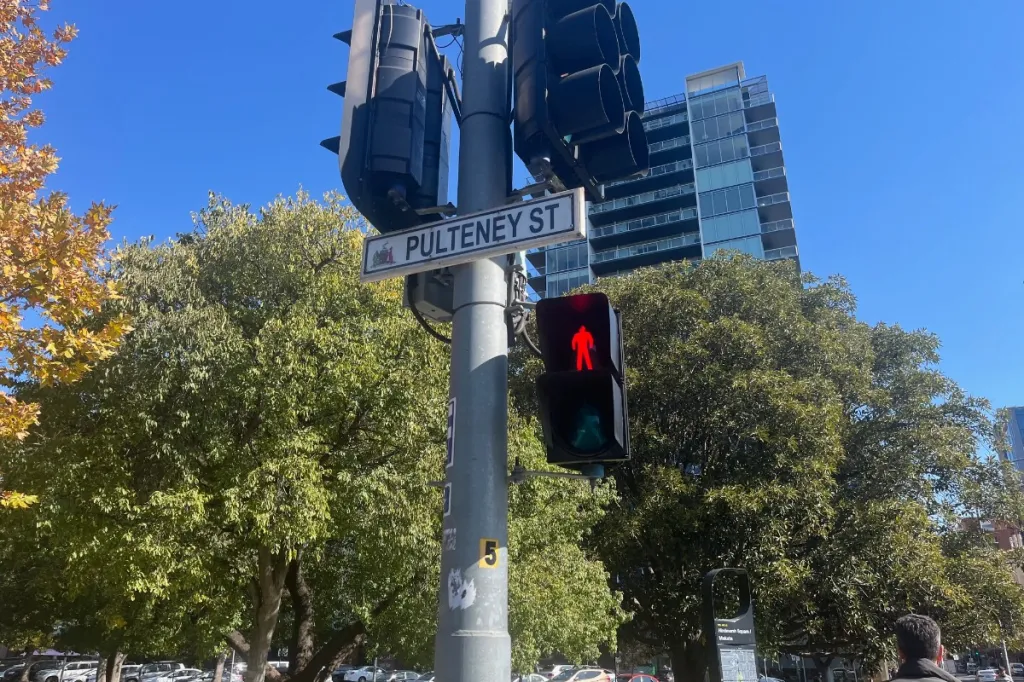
(472, 643)
(1006, 658)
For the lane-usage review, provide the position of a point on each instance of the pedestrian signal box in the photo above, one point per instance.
(582, 392)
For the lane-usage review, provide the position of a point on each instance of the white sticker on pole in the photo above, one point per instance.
(517, 227)
(449, 458)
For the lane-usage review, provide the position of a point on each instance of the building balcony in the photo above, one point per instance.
(766, 156)
(659, 177)
(671, 143)
(777, 225)
(647, 203)
(774, 207)
(771, 181)
(778, 234)
(647, 228)
(779, 254)
(647, 253)
(665, 121)
(664, 105)
(760, 106)
(763, 132)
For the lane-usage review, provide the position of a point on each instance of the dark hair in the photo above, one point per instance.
(918, 637)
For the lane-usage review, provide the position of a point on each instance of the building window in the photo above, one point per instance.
(719, 126)
(729, 149)
(751, 245)
(727, 200)
(714, 104)
(724, 175)
(562, 283)
(731, 226)
(565, 258)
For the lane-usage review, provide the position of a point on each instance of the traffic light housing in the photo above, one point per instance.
(396, 121)
(582, 393)
(578, 91)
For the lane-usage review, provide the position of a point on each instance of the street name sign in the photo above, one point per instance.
(525, 225)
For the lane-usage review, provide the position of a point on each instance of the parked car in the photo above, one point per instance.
(987, 675)
(183, 675)
(13, 672)
(130, 672)
(1017, 669)
(426, 677)
(366, 673)
(63, 673)
(403, 676)
(151, 671)
(555, 670)
(338, 675)
(635, 677)
(584, 675)
(530, 677)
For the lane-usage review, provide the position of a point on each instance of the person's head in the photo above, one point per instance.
(918, 637)
(1002, 671)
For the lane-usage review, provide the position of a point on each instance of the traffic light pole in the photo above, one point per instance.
(472, 643)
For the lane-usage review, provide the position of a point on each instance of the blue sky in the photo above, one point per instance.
(904, 168)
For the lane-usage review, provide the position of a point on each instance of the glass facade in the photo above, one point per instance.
(727, 200)
(562, 258)
(719, 152)
(701, 191)
(564, 282)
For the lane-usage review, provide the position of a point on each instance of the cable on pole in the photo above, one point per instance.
(426, 325)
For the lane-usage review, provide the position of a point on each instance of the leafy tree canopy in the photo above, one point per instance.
(773, 431)
(262, 444)
(49, 257)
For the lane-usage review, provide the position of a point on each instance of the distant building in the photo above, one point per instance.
(717, 181)
(1015, 438)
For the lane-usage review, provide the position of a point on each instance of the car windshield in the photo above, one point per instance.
(564, 675)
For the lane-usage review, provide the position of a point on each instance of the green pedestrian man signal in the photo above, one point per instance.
(589, 436)
(582, 394)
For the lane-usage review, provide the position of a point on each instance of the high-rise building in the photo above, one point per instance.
(717, 181)
(1014, 452)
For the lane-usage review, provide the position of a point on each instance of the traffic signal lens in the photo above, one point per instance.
(587, 435)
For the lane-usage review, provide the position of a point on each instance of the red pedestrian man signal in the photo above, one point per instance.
(583, 343)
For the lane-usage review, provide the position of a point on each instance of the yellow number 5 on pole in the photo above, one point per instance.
(489, 557)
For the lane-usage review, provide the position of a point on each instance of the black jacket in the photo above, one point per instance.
(923, 670)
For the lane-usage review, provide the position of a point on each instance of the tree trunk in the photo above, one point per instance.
(340, 648)
(689, 661)
(268, 588)
(29, 660)
(237, 641)
(114, 662)
(218, 670)
(823, 666)
(301, 649)
(333, 653)
(101, 669)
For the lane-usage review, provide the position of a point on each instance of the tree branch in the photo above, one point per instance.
(237, 641)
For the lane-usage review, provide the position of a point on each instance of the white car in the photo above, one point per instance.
(1017, 669)
(70, 671)
(366, 673)
(987, 675)
(555, 669)
(182, 675)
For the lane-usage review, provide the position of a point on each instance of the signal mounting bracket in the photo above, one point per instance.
(520, 474)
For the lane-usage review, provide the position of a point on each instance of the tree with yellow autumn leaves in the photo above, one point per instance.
(51, 260)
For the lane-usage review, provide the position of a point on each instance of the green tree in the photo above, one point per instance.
(773, 431)
(256, 456)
